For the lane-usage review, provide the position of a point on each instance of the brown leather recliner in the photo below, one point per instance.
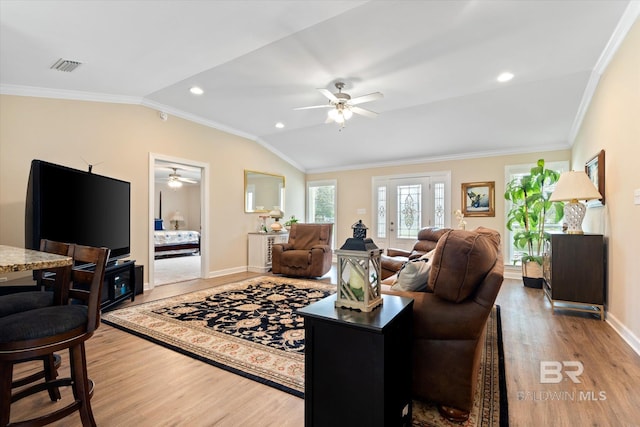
(392, 261)
(306, 254)
(449, 319)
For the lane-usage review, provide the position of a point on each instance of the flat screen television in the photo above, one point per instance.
(74, 206)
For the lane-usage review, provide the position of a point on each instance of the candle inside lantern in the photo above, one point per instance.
(356, 283)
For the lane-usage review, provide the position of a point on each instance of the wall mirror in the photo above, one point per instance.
(262, 191)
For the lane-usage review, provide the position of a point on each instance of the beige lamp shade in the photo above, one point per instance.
(276, 213)
(573, 186)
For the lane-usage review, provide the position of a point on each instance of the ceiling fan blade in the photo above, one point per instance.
(365, 98)
(329, 95)
(187, 180)
(313, 106)
(364, 112)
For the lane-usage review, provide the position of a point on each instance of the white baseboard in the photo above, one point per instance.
(512, 272)
(624, 332)
(226, 271)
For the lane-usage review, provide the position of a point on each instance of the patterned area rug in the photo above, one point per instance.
(248, 327)
(251, 328)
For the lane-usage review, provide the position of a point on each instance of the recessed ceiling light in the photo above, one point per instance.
(279, 125)
(196, 90)
(505, 77)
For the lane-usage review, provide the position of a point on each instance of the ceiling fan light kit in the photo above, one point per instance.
(340, 114)
(174, 183)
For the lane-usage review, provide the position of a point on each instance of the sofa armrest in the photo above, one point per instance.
(323, 248)
(398, 252)
(435, 318)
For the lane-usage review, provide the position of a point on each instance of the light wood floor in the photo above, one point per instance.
(143, 384)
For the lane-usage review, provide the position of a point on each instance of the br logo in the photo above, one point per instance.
(551, 371)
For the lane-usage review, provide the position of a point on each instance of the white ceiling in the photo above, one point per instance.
(436, 63)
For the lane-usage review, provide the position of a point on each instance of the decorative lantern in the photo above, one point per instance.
(359, 272)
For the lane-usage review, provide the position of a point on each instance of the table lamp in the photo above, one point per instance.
(177, 218)
(276, 214)
(573, 186)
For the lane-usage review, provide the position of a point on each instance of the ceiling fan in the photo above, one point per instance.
(176, 180)
(342, 106)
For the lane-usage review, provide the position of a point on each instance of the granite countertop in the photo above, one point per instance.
(20, 259)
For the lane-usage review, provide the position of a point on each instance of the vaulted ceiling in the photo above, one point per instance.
(436, 62)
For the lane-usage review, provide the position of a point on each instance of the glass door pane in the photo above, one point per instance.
(321, 203)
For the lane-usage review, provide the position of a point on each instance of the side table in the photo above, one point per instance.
(357, 364)
(260, 247)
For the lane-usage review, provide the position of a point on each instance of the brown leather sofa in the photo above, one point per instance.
(392, 261)
(306, 254)
(449, 319)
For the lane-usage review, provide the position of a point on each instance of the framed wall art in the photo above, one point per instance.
(595, 171)
(478, 198)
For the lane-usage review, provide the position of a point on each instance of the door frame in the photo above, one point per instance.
(204, 211)
(433, 177)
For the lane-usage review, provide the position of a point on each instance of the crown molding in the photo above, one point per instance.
(76, 95)
(212, 124)
(629, 17)
(195, 118)
(435, 159)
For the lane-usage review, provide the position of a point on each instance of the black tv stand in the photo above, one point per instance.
(119, 283)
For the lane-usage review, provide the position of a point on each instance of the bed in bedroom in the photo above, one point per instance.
(176, 243)
(173, 242)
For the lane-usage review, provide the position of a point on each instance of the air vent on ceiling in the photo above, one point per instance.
(65, 65)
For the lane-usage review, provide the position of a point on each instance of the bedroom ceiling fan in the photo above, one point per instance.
(342, 106)
(176, 180)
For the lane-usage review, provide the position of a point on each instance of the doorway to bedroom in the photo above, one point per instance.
(176, 251)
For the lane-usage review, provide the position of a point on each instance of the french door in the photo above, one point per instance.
(406, 204)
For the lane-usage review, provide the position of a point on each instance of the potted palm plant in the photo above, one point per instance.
(530, 211)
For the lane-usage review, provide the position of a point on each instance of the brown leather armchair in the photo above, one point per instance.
(449, 319)
(306, 254)
(392, 261)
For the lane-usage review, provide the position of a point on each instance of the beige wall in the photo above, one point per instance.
(612, 123)
(118, 138)
(351, 195)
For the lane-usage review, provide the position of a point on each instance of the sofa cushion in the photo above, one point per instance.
(461, 261)
(427, 240)
(414, 274)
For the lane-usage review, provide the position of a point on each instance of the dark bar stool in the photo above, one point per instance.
(48, 294)
(43, 331)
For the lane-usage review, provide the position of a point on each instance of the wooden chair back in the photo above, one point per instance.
(46, 279)
(86, 281)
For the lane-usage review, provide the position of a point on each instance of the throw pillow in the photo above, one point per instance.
(413, 276)
(461, 261)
